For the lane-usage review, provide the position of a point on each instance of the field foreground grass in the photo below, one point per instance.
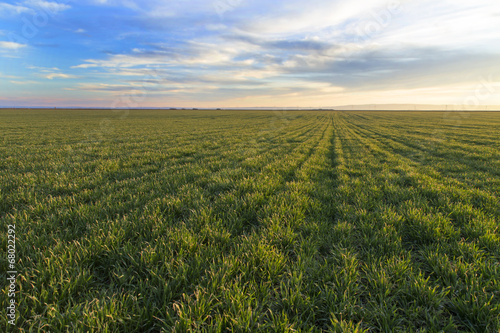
(215, 221)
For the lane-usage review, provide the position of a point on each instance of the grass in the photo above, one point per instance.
(216, 221)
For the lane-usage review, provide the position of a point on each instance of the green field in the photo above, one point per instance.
(251, 221)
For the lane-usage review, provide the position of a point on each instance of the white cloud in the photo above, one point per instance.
(447, 25)
(9, 76)
(212, 57)
(51, 73)
(100, 87)
(44, 69)
(130, 4)
(298, 17)
(24, 82)
(59, 76)
(8, 9)
(175, 9)
(29, 7)
(131, 88)
(11, 45)
(49, 6)
(122, 60)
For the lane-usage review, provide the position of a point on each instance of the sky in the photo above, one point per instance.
(243, 53)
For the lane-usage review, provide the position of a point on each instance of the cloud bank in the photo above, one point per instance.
(257, 53)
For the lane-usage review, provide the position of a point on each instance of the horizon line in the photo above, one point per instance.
(354, 107)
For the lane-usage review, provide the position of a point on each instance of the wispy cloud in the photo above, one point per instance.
(44, 69)
(117, 3)
(30, 6)
(297, 17)
(28, 82)
(52, 76)
(50, 73)
(9, 9)
(48, 6)
(11, 45)
(3, 76)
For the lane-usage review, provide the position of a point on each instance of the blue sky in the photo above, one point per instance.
(242, 53)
